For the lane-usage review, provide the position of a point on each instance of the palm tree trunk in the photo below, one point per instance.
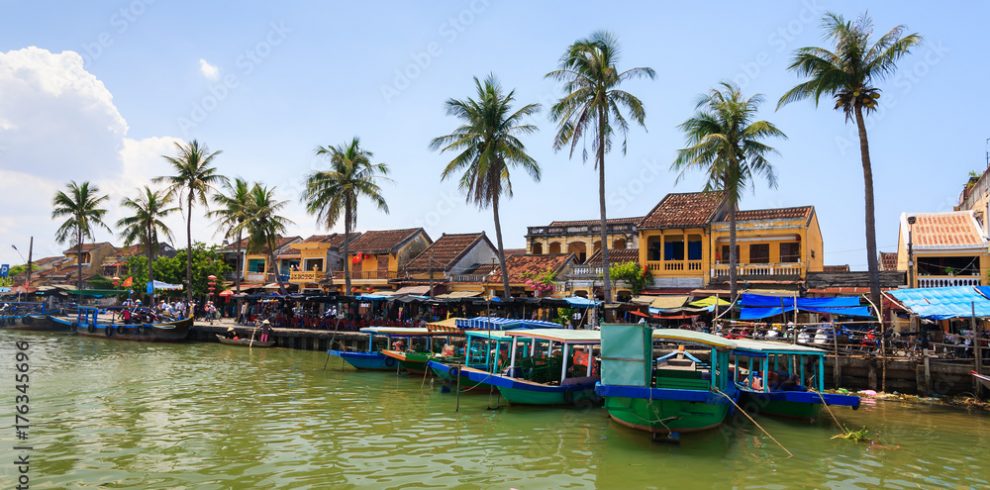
(79, 244)
(501, 250)
(606, 273)
(189, 294)
(278, 273)
(239, 261)
(871, 232)
(733, 256)
(150, 252)
(347, 240)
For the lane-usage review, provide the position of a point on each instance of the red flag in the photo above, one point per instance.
(128, 282)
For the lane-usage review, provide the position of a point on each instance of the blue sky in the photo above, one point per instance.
(284, 78)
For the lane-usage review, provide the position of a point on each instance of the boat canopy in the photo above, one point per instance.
(400, 331)
(765, 347)
(690, 336)
(488, 334)
(497, 323)
(559, 335)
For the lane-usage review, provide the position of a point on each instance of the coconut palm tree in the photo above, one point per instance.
(82, 207)
(266, 225)
(726, 144)
(231, 215)
(849, 74)
(593, 107)
(194, 178)
(487, 146)
(145, 224)
(333, 194)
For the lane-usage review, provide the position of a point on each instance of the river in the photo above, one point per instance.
(110, 414)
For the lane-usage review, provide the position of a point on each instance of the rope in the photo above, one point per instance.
(751, 419)
(830, 412)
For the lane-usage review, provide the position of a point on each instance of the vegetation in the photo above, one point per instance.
(726, 144)
(487, 147)
(144, 225)
(333, 194)
(636, 276)
(82, 207)
(541, 283)
(206, 260)
(266, 225)
(232, 216)
(592, 107)
(849, 74)
(196, 177)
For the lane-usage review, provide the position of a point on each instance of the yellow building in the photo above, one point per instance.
(255, 270)
(947, 248)
(581, 238)
(684, 242)
(319, 258)
(377, 256)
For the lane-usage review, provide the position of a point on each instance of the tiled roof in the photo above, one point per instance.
(841, 268)
(684, 210)
(802, 212)
(888, 261)
(86, 247)
(334, 239)
(382, 241)
(509, 252)
(47, 260)
(522, 267)
(615, 256)
(282, 241)
(947, 230)
(591, 222)
(442, 254)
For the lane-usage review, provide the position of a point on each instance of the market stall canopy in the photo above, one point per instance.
(164, 286)
(579, 302)
(708, 302)
(668, 302)
(756, 307)
(416, 290)
(226, 293)
(448, 325)
(458, 295)
(944, 303)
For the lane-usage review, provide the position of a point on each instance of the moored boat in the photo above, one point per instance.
(28, 316)
(982, 379)
(545, 367)
(245, 342)
(87, 323)
(483, 350)
(784, 380)
(374, 358)
(671, 394)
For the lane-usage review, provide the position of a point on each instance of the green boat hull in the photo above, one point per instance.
(517, 396)
(665, 415)
(780, 408)
(415, 362)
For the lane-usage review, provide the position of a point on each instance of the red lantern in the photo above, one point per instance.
(211, 277)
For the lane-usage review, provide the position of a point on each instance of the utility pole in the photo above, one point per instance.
(30, 257)
(430, 259)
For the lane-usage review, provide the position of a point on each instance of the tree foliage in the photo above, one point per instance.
(633, 274)
(206, 260)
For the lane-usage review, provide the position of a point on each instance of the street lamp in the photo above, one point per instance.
(910, 250)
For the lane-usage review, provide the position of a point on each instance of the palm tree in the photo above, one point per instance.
(265, 225)
(145, 223)
(195, 176)
(726, 144)
(330, 193)
(232, 215)
(81, 206)
(593, 103)
(487, 146)
(849, 75)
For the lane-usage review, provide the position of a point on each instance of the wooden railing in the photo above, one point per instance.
(306, 276)
(367, 275)
(469, 278)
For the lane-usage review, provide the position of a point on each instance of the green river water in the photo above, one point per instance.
(130, 415)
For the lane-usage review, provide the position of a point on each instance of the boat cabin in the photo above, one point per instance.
(550, 356)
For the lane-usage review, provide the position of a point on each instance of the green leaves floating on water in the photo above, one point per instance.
(861, 435)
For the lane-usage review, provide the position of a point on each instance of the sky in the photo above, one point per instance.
(100, 90)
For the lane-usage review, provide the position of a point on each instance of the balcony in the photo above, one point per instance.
(757, 270)
(367, 275)
(306, 276)
(585, 271)
(469, 278)
(674, 266)
(945, 281)
(580, 230)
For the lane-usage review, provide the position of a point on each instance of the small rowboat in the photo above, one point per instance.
(245, 342)
(982, 378)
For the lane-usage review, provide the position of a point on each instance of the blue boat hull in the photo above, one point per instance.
(796, 404)
(522, 392)
(371, 361)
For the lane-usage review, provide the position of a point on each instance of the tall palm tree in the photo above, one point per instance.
(266, 225)
(145, 224)
(195, 177)
(82, 207)
(232, 214)
(487, 145)
(726, 144)
(335, 192)
(593, 106)
(849, 75)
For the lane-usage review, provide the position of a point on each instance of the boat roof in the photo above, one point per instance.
(399, 331)
(488, 334)
(560, 335)
(680, 335)
(767, 347)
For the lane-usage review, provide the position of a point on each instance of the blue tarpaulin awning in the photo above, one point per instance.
(945, 303)
(756, 307)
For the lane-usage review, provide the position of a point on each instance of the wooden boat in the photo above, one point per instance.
(539, 364)
(246, 342)
(375, 359)
(88, 324)
(28, 316)
(482, 350)
(669, 395)
(982, 379)
(776, 377)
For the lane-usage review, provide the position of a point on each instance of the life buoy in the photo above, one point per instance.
(91, 328)
(108, 331)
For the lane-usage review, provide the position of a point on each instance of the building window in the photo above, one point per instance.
(759, 253)
(537, 249)
(555, 248)
(314, 265)
(256, 265)
(694, 247)
(790, 252)
(619, 244)
(653, 248)
(673, 249)
(724, 254)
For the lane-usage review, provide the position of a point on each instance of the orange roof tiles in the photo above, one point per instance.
(803, 212)
(382, 241)
(684, 210)
(888, 261)
(442, 254)
(615, 256)
(953, 229)
(523, 267)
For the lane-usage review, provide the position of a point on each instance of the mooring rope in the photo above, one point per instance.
(830, 412)
(757, 424)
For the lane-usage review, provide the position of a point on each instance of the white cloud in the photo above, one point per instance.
(210, 72)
